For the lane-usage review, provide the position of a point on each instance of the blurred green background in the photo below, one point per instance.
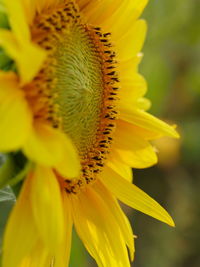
(171, 66)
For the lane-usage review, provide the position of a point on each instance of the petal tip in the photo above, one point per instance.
(171, 222)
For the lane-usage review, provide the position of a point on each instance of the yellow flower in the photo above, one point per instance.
(75, 107)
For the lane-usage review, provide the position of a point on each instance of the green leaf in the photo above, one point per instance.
(3, 16)
(78, 256)
(3, 19)
(5, 62)
(6, 194)
(8, 169)
(14, 169)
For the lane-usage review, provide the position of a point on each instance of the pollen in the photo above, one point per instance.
(76, 88)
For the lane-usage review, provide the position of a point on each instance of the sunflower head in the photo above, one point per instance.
(76, 88)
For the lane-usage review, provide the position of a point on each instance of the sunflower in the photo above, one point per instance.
(74, 105)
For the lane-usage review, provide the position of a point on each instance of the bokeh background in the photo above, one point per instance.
(171, 66)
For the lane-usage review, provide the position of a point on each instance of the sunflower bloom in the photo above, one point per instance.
(75, 107)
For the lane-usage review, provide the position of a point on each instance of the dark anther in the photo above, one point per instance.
(87, 180)
(49, 118)
(103, 141)
(48, 47)
(100, 164)
(108, 83)
(109, 61)
(98, 33)
(111, 73)
(104, 146)
(104, 40)
(40, 25)
(70, 14)
(108, 45)
(90, 165)
(109, 107)
(46, 28)
(80, 182)
(96, 158)
(110, 67)
(115, 79)
(113, 54)
(107, 52)
(67, 190)
(107, 34)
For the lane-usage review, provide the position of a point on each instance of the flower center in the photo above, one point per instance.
(79, 86)
(76, 87)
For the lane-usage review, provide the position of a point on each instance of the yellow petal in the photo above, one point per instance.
(143, 103)
(83, 3)
(93, 221)
(44, 145)
(133, 87)
(70, 165)
(50, 147)
(131, 43)
(120, 167)
(139, 131)
(15, 115)
(128, 9)
(132, 149)
(97, 11)
(117, 212)
(39, 257)
(45, 4)
(142, 158)
(21, 232)
(128, 67)
(47, 205)
(134, 197)
(28, 56)
(147, 121)
(18, 20)
(29, 6)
